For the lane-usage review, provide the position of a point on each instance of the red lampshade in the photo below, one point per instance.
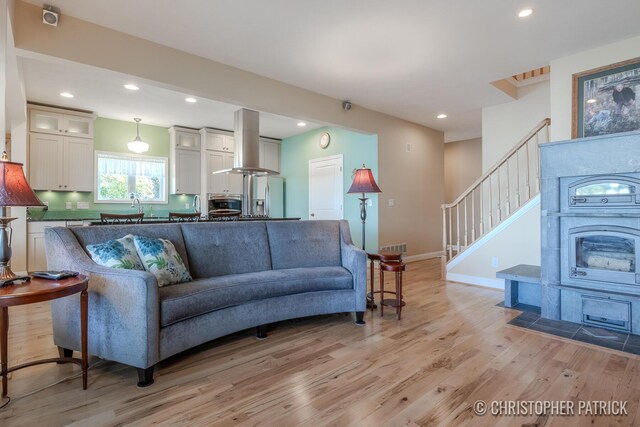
(363, 182)
(14, 188)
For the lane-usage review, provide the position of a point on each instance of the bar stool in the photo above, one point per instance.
(397, 302)
(382, 256)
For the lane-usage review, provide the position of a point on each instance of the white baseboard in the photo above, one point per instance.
(476, 280)
(422, 257)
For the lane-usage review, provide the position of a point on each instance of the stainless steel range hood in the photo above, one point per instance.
(246, 154)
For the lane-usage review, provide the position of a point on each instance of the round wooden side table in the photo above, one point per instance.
(382, 256)
(397, 302)
(40, 290)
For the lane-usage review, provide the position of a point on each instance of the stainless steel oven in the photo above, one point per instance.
(224, 205)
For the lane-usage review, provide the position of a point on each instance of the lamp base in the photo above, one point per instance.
(7, 276)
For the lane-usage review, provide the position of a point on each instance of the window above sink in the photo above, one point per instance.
(118, 175)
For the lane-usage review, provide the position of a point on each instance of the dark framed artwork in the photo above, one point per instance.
(604, 100)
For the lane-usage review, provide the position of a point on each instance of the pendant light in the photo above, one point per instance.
(138, 145)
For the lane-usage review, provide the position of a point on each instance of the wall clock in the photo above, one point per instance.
(325, 139)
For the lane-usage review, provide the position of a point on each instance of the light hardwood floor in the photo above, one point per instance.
(452, 347)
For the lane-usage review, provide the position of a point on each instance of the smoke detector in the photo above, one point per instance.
(346, 105)
(50, 15)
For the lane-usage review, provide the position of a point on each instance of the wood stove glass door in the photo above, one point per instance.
(605, 256)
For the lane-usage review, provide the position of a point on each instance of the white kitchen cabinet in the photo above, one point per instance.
(46, 158)
(78, 164)
(61, 122)
(270, 155)
(234, 180)
(185, 160)
(216, 183)
(60, 163)
(186, 175)
(60, 149)
(36, 254)
(222, 183)
(218, 141)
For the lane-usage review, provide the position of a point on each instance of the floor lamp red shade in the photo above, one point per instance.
(14, 191)
(363, 182)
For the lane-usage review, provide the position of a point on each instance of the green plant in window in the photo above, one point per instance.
(113, 187)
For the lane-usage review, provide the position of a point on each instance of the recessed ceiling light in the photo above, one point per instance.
(191, 99)
(66, 94)
(591, 101)
(441, 116)
(131, 86)
(302, 124)
(525, 12)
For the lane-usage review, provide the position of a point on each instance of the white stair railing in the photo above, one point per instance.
(498, 193)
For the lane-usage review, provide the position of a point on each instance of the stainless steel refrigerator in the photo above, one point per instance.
(269, 196)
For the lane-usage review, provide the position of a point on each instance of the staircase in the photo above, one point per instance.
(494, 197)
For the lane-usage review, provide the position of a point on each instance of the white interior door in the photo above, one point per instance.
(326, 188)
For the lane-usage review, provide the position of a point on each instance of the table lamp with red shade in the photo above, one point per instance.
(14, 191)
(363, 182)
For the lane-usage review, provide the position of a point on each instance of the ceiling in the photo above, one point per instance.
(412, 59)
(103, 92)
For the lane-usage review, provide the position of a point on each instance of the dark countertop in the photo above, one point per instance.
(88, 215)
(166, 220)
(36, 215)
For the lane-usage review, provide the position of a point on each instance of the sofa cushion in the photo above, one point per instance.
(304, 243)
(161, 259)
(102, 233)
(180, 302)
(219, 249)
(117, 253)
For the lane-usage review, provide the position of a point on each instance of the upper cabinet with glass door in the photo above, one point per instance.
(60, 122)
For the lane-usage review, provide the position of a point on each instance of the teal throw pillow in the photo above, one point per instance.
(161, 259)
(119, 253)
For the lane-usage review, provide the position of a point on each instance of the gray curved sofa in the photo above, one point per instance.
(246, 274)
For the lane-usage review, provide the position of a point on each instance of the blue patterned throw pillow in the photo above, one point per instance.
(119, 253)
(161, 259)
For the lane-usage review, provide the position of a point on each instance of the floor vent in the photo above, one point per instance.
(400, 247)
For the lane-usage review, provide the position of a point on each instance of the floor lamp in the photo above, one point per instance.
(363, 182)
(14, 191)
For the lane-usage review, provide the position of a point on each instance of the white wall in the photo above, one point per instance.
(563, 69)
(506, 124)
(517, 243)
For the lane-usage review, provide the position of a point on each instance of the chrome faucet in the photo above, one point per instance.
(196, 203)
(135, 200)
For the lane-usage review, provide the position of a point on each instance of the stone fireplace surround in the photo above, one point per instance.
(591, 236)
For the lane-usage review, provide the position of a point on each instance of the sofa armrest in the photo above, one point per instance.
(124, 310)
(355, 260)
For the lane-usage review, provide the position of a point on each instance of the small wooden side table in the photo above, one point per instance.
(397, 302)
(40, 290)
(382, 256)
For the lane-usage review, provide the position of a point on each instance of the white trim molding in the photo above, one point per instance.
(422, 257)
(475, 280)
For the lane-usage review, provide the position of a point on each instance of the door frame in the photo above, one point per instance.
(322, 159)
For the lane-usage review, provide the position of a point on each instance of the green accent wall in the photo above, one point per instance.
(113, 135)
(356, 149)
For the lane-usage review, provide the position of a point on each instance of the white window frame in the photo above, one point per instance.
(164, 192)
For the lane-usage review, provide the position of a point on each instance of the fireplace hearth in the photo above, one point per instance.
(590, 223)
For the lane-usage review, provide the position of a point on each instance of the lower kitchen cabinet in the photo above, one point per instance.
(36, 255)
